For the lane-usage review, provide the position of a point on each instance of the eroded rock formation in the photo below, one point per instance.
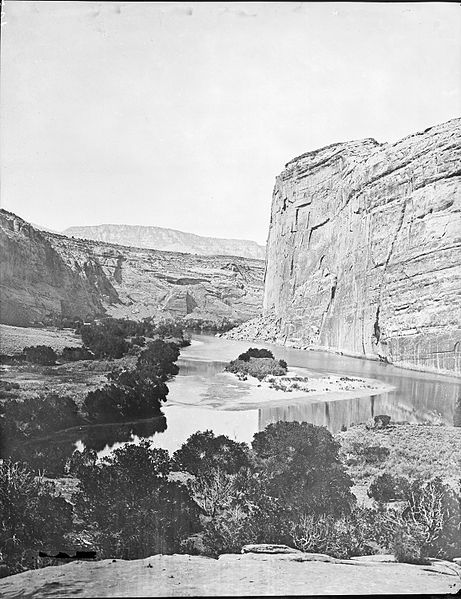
(46, 277)
(363, 252)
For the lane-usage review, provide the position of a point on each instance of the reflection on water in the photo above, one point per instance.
(50, 453)
(417, 397)
(343, 413)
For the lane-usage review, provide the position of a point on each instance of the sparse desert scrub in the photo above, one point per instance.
(416, 451)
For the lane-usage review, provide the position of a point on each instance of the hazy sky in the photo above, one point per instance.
(181, 114)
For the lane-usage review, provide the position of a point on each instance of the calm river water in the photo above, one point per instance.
(201, 396)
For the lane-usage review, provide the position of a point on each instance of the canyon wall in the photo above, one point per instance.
(363, 252)
(170, 240)
(36, 284)
(46, 277)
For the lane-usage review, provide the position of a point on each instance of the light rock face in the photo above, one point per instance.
(36, 284)
(170, 240)
(46, 277)
(364, 254)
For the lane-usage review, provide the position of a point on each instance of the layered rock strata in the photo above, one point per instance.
(159, 238)
(47, 276)
(363, 252)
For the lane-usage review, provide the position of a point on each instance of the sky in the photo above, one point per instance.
(182, 114)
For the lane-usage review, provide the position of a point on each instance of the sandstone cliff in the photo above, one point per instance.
(159, 238)
(46, 277)
(36, 284)
(363, 252)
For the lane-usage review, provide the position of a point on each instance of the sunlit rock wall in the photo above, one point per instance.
(363, 252)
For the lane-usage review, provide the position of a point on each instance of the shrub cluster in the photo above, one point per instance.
(254, 352)
(31, 516)
(73, 354)
(40, 354)
(114, 337)
(257, 367)
(135, 393)
(289, 487)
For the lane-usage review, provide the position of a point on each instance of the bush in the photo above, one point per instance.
(158, 360)
(40, 354)
(362, 532)
(435, 508)
(73, 354)
(134, 510)
(104, 341)
(257, 367)
(203, 453)
(130, 399)
(386, 487)
(31, 518)
(24, 423)
(300, 466)
(254, 352)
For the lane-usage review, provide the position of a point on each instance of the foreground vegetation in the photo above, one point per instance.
(213, 495)
(294, 485)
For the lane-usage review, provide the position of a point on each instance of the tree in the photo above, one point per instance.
(30, 516)
(300, 466)
(135, 509)
(203, 452)
(158, 360)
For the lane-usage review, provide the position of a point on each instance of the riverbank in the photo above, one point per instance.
(265, 329)
(297, 387)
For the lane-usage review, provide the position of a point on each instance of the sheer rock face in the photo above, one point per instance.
(46, 277)
(37, 284)
(363, 252)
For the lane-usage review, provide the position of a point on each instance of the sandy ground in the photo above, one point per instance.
(252, 394)
(14, 339)
(236, 575)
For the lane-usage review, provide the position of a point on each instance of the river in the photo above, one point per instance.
(201, 395)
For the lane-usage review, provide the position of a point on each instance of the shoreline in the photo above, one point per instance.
(257, 394)
(348, 354)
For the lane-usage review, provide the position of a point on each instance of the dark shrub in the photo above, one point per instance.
(37, 416)
(254, 352)
(40, 354)
(386, 487)
(300, 466)
(257, 367)
(131, 508)
(139, 341)
(31, 518)
(72, 354)
(129, 399)
(158, 360)
(283, 364)
(382, 421)
(203, 452)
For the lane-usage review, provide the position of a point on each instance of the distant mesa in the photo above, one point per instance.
(169, 240)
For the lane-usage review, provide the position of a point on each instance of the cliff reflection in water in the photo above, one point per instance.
(344, 412)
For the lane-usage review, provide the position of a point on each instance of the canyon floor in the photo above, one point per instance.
(233, 575)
